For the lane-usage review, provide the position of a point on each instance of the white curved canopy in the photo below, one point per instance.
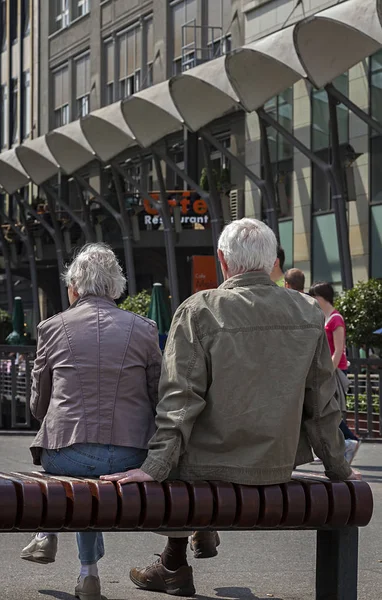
(151, 114)
(204, 93)
(336, 39)
(321, 47)
(12, 174)
(107, 131)
(264, 68)
(70, 147)
(37, 160)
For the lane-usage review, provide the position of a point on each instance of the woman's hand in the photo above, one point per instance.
(135, 475)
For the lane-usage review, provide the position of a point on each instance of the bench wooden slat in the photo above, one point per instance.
(317, 503)
(225, 501)
(129, 506)
(339, 504)
(361, 502)
(153, 506)
(271, 506)
(294, 504)
(201, 504)
(8, 503)
(248, 506)
(178, 504)
(29, 501)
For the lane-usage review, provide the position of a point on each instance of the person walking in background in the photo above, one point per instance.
(277, 275)
(336, 333)
(95, 390)
(295, 280)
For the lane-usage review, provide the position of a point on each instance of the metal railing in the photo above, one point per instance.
(364, 399)
(16, 364)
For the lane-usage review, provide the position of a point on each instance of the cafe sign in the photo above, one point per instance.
(193, 210)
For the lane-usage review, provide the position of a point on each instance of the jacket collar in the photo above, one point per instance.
(91, 298)
(247, 280)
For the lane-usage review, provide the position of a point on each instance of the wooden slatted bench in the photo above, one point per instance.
(38, 502)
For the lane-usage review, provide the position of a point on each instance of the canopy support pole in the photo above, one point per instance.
(26, 239)
(55, 234)
(338, 197)
(127, 235)
(168, 233)
(52, 194)
(213, 206)
(267, 190)
(121, 219)
(169, 236)
(361, 114)
(8, 269)
(216, 215)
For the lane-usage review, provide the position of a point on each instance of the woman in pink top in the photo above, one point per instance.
(336, 333)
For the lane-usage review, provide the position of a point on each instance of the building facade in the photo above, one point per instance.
(65, 58)
(307, 222)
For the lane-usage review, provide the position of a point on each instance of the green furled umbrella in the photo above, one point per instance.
(16, 337)
(159, 311)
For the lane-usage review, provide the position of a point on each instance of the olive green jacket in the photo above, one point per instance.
(247, 388)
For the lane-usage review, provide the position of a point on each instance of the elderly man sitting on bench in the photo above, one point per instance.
(247, 387)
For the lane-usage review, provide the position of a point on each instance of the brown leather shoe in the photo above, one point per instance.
(204, 544)
(156, 578)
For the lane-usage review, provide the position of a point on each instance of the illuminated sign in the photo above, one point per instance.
(193, 210)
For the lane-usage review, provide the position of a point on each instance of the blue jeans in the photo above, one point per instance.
(91, 460)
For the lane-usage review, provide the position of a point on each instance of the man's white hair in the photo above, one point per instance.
(96, 271)
(248, 245)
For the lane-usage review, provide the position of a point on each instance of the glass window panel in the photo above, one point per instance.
(376, 241)
(149, 40)
(190, 16)
(4, 116)
(326, 260)
(130, 51)
(26, 105)
(138, 48)
(109, 62)
(226, 15)
(123, 56)
(178, 20)
(320, 190)
(376, 170)
(214, 13)
(3, 24)
(320, 120)
(25, 15)
(286, 241)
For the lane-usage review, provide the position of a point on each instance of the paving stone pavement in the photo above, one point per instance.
(250, 566)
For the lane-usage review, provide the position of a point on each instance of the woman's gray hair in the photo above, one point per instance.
(96, 271)
(248, 245)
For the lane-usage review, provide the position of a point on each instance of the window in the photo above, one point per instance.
(26, 105)
(82, 8)
(13, 21)
(375, 74)
(109, 72)
(183, 35)
(149, 49)
(82, 67)
(4, 116)
(130, 62)
(281, 152)
(3, 24)
(14, 111)
(219, 19)
(25, 17)
(62, 18)
(61, 97)
(321, 195)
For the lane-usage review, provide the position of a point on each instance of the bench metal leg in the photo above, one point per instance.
(337, 564)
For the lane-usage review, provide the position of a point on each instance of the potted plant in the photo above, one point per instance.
(139, 304)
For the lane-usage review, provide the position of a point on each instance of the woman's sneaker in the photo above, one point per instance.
(351, 449)
(41, 550)
(88, 588)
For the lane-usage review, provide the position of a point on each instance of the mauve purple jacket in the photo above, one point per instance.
(95, 377)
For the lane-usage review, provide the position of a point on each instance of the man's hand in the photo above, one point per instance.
(135, 475)
(355, 475)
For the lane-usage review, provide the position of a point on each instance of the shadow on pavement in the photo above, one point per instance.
(234, 593)
(64, 595)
